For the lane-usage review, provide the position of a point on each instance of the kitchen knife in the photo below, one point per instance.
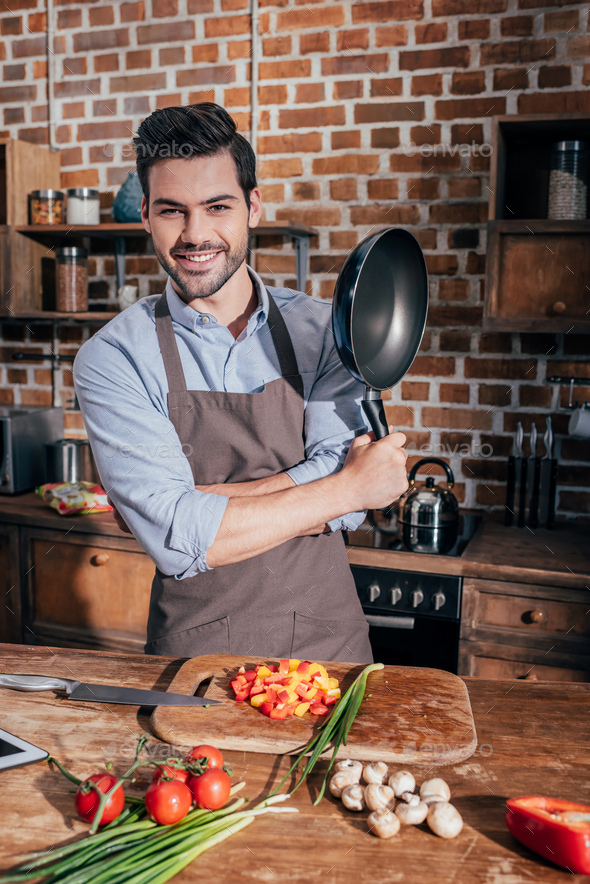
(513, 477)
(548, 479)
(535, 482)
(522, 484)
(101, 693)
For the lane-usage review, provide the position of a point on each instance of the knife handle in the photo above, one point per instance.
(510, 490)
(36, 683)
(534, 506)
(552, 493)
(524, 470)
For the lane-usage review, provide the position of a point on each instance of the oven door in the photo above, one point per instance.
(406, 640)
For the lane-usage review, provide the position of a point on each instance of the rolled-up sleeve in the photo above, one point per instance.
(141, 462)
(333, 417)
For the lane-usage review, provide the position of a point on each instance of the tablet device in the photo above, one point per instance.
(15, 752)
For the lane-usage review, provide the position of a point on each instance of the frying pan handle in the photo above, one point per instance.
(373, 407)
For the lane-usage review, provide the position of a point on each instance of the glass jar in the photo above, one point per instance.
(71, 280)
(46, 207)
(83, 206)
(568, 181)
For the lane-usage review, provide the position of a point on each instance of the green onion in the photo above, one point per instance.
(142, 852)
(335, 730)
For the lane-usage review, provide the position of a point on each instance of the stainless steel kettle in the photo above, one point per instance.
(428, 513)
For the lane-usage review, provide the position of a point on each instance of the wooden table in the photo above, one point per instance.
(532, 738)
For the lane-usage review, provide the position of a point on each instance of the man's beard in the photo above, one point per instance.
(203, 284)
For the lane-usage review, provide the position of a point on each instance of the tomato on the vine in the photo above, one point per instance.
(213, 756)
(167, 772)
(87, 798)
(211, 789)
(168, 801)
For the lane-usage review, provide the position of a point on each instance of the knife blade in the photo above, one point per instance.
(536, 479)
(523, 486)
(546, 471)
(513, 477)
(101, 693)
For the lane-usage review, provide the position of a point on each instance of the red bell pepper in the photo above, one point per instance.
(558, 830)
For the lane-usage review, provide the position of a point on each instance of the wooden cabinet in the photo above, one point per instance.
(534, 265)
(84, 591)
(516, 630)
(10, 597)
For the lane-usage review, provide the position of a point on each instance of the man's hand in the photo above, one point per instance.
(121, 524)
(376, 470)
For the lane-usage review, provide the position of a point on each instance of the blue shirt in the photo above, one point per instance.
(122, 389)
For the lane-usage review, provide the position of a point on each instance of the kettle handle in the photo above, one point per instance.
(437, 460)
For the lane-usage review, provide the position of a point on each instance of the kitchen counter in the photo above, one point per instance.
(560, 557)
(532, 739)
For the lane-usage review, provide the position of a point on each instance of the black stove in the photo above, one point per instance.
(414, 616)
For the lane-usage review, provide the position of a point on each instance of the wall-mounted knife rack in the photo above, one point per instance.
(571, 383)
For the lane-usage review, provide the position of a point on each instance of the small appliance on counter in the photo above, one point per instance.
(23, 433)
(429, 513)
(69, 460)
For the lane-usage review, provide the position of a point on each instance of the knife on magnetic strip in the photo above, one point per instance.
(101, 693)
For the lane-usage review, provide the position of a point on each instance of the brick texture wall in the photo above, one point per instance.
(345, 89)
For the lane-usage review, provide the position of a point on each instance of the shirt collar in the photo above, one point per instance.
(192, 319)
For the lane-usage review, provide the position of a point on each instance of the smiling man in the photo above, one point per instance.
(225, 429)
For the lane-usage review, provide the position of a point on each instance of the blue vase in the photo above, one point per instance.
(127, 204)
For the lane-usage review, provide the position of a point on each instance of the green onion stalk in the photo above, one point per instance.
(335, 730)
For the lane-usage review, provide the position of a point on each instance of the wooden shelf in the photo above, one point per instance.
(111, 229)
(50, 315)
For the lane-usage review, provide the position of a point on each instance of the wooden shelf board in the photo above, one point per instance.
(268, 228)
(88, 316)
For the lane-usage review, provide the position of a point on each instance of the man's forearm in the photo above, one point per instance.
(257, 488)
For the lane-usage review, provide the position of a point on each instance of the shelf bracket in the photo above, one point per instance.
(301, 242)
(120, 250)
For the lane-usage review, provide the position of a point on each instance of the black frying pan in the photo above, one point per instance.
(379, 314)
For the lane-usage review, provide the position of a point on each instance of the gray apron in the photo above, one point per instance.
(296, 600)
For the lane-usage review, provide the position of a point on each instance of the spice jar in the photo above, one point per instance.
(71, 280)
(83, 206)
(46, 207)
(568, 181)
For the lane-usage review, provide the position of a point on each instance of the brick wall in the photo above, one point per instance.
(345, 90)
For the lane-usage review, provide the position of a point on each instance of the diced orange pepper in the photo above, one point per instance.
(293, 664)
(257, 699)
(263, 672)
(301, 708)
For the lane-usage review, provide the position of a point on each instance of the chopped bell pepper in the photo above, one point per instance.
(557, 829)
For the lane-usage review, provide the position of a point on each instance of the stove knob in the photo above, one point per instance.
(438, 600)
(373, 591)
(416, 597)
(395, 595)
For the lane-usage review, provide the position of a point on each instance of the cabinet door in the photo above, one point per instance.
(10, 604)
(86, 591)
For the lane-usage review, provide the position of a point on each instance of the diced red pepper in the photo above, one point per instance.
(283, 696)
(301, 690)
(303, 667)
(279, 714)
(329, 701)
(266, 708)
(272, 667)
(250, 674)
(257, 689)
(557, 829)
(284, 666)
(318, 709)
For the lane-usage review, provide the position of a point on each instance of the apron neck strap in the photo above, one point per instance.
(174, 371)
(281, 339)
(169, 347)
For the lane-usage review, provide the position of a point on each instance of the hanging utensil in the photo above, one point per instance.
(513, 476)
(535, 484)
(522, 485)
(548, 479)
(379, 314)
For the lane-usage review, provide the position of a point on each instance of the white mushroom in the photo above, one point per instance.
(402, 781)
(379, 797)
(354, 769)
(410, 798)
(433, 799)
(353, 797)
(444, 820)
(376, 772)
(340, 781)
(435, 786)
(383, 823)
(412, 814)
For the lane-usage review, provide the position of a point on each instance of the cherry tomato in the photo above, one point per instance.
(213, 755)
(168, 801)
(167, 772)
(87, 799)
(211, 789)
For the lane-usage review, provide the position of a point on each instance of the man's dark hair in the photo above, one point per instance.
(194, 130)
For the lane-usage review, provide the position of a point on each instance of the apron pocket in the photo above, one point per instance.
(346, 641)
(208, 638)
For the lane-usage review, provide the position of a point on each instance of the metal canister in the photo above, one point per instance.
(69, 460)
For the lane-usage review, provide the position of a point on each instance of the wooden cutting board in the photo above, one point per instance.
(408, 714)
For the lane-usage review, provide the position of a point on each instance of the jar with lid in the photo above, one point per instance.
(46, 207)
(568, 181)
(83, 206)
(71, 280)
